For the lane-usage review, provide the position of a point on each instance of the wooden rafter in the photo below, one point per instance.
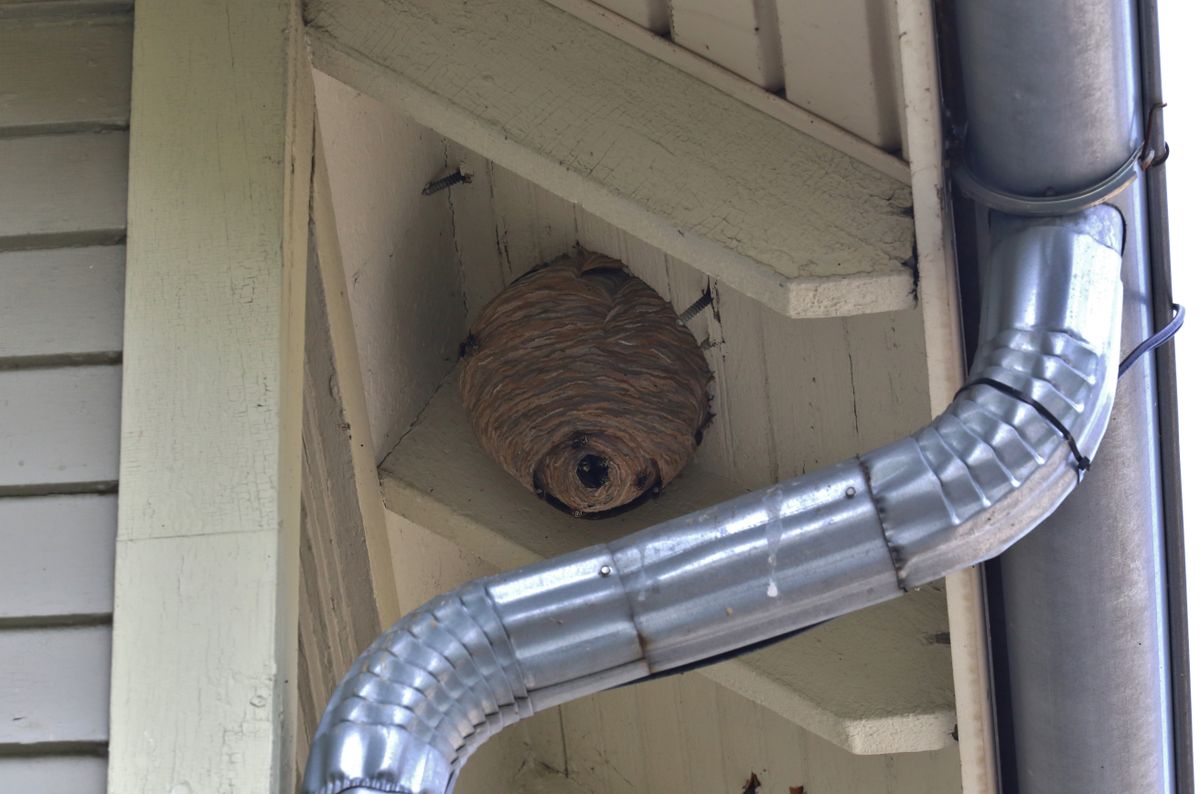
(753, 202)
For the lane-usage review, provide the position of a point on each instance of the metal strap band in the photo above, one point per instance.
(1014, 204)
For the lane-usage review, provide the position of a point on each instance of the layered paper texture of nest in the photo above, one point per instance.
(582, 383)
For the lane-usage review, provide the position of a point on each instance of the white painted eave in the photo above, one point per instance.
(750, 200)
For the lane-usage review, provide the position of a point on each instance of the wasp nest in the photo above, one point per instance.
(583, 384)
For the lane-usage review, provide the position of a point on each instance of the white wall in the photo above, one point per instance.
(63, 153)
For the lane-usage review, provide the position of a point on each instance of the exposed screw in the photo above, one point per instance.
(458, 177)
(688, 314)
(850, 492)
(605, 570)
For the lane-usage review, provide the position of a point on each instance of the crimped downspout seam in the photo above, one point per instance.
(454, 672)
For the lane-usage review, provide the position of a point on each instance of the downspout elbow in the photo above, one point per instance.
(1003, 455)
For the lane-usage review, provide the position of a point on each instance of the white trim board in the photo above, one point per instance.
(205, 610)
(946, 366)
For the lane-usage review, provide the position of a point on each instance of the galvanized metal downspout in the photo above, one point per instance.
(1005, 453)
(1052, 107)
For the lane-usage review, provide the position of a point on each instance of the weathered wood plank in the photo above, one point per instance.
(740, 35)
(661, 154)
(66, 774)
(73, 72)
(63, 302)
(55, 685)
(210, 452)
(59, 426)
(58, 556)
(840, 61)
(71, 186)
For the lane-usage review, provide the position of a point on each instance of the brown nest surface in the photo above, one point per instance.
(583, 384)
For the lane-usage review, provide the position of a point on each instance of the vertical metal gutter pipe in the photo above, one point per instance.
(1052, 108)
(1003, 456)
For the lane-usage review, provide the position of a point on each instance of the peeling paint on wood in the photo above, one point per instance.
(210, 454)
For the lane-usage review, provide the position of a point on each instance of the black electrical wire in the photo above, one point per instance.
(1162, 337)
(1082, 462)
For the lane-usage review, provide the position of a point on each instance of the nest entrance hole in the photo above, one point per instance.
(592, 471)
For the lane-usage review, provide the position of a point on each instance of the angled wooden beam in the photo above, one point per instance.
(205, 618)
(344, 357)
(753, 202)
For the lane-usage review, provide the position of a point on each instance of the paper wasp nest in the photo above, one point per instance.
(583, 384)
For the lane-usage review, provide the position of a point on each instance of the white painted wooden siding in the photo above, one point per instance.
(64, 109)
(63, 189)
(59, 427)
(838, 59)
(54, 774)
(68, 71)
(841, 61)
(57, 559)
(62, 302)
(55, 686)
(653, 15)
(740, 35)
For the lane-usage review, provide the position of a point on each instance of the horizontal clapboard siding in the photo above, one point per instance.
(67, 72)
(62, 302)
(64, 189)
(67, 774)
(54, 690)
(47, 10)
(58, 557)
(64, 116)
(59, 427)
